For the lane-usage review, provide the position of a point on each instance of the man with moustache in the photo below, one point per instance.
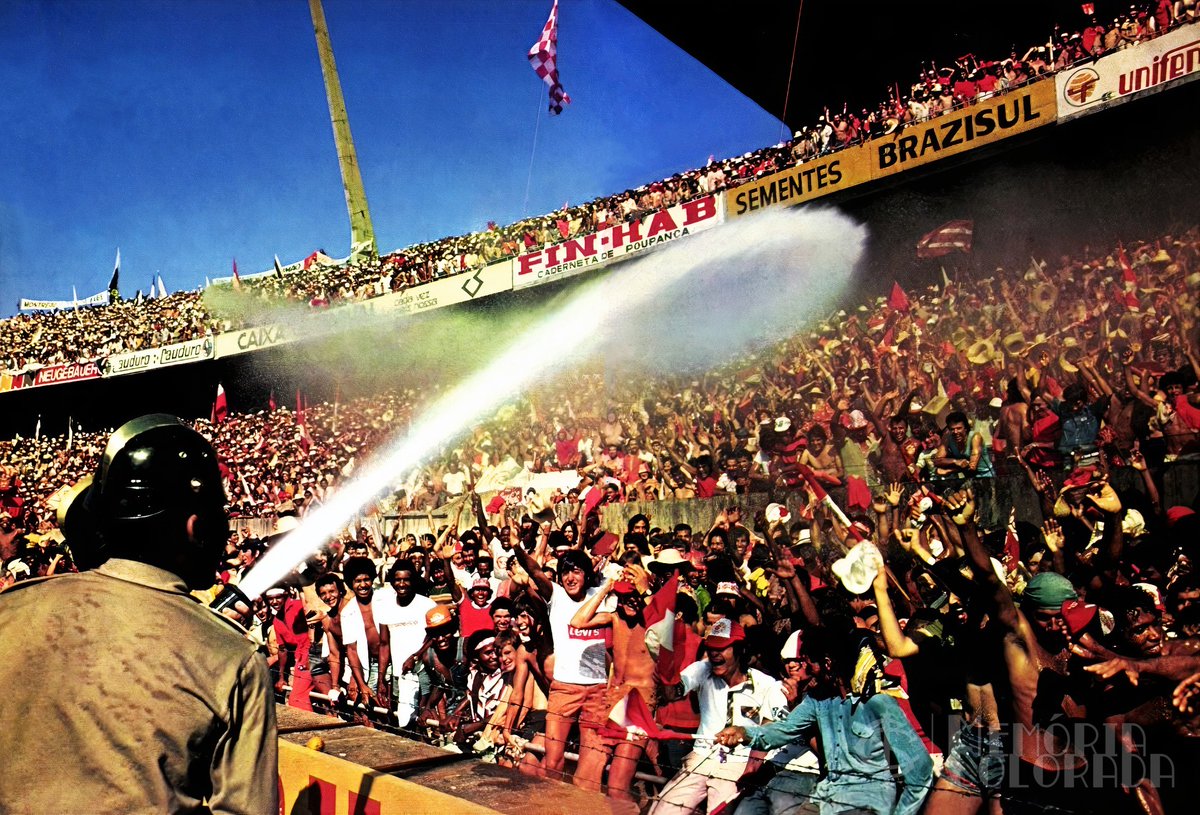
(580, 671)
(731, 695)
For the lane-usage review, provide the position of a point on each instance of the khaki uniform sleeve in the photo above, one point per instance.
(245, 771)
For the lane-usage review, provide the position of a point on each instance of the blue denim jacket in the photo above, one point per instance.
(857, 737)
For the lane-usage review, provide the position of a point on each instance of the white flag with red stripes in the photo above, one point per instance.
(953, 236)
(543, 56)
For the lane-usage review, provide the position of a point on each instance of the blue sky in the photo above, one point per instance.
(189, 133)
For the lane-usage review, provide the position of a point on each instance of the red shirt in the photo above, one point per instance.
(291, 630)
(706, 487)
(472, 618)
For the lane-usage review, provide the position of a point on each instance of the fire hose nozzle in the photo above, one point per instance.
(232, 602)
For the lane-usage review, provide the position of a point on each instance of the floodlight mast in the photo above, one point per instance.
(362, 234)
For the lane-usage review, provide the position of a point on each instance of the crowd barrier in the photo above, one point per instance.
(1180, 487)
(315, 783)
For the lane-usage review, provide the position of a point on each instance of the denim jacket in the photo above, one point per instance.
(857, 737)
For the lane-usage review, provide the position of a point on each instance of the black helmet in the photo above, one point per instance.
(156, 472)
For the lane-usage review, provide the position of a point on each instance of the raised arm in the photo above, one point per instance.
(961, 506)
(898, 644)
(589, 614)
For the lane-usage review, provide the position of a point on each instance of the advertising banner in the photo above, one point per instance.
(1143, 69)
(802, 183)
(587, 252)
(98, 299)
(130, 362)
(190, 351)
(983, 123)
(70, 372)
(460, 288)
(231, 343)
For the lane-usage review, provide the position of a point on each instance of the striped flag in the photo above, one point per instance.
(630, 718)
(659, 616)
(952, 236)
(220, 406)
(543, 56)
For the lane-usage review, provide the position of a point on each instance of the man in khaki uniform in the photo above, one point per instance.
(124, 693)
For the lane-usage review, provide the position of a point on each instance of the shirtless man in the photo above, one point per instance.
(1036, 652)
(332, 592)
(1014, 421)
(371, 655)
(632, 671)
(975, 764)
(896, 459)
(822, 458)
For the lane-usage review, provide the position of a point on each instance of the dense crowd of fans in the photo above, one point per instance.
(996, 608)
(970, 656)
(44, 338)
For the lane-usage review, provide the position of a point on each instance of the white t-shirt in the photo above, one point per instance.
(579, 654)
(750, 705)
(406, 624)
(454, 482)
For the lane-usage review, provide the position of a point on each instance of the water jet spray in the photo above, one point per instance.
(700, 300)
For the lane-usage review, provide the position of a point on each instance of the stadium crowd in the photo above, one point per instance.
(981, 655)
(996, 608)
(44, 338)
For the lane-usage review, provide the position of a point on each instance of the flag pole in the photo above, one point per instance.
(533, 152)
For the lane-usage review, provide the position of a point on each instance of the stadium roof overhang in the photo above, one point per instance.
(847, 53)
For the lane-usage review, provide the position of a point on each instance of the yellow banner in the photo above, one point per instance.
(313, 783)
(983, 123)
(801, 183)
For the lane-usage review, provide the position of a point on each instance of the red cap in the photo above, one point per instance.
(1078, 615)
(1177, 514)
(724, 633)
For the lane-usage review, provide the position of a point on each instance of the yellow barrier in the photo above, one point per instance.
(313, 783)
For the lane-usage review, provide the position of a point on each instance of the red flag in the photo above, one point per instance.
(659, 614)
(564, 226)
(630, 718)
(952, 236)
(898, 300)
(271, 400)
(1128, 278)
(221, 406)
(1126, 297)
(305, 439)
(237, 281)
(1012, 543)
(543, 56)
